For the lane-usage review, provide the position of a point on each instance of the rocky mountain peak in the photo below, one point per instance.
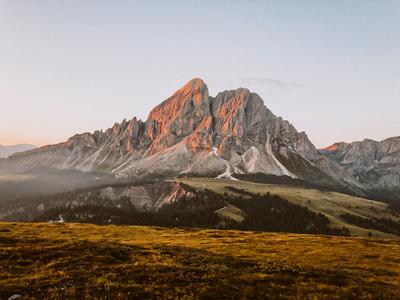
(192, 96)
(334, 147)
(179, 115)
(239, 116)
(193, 133)
(193, 86)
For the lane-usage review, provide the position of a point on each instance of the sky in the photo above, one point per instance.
(332, 68)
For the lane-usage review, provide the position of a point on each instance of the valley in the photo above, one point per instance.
(191, 147)
(332, 204)
(282, 205)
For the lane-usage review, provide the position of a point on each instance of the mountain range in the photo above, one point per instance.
(192, 133)
(374, 164)
(138, 172)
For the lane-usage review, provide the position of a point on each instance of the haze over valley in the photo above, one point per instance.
(138, 167)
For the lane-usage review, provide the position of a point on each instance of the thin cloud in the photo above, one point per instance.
(257, 81)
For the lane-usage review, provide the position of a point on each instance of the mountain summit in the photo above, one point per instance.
(195, 134)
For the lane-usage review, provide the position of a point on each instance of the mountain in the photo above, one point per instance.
(376, 165)
(6, 151)
(128, 173)
(192, 133)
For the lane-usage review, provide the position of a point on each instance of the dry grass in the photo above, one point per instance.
(76, 261)
(331, 204)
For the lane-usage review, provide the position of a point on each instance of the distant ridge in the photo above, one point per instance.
(8, 150)
(374, 164)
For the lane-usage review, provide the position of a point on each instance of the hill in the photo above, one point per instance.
(335, 206)
(295, 207)
(76, 261)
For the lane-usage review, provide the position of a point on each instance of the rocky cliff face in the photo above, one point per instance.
(375, 164)
(193, 133)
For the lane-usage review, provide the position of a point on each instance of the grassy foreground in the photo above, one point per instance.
(82, 261)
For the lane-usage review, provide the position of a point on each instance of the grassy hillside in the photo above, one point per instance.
(82, 261)
(332, 204)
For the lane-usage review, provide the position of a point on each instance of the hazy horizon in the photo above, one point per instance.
(332, 69)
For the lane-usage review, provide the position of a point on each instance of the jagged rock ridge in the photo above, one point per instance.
(193, 133)
(375, 164)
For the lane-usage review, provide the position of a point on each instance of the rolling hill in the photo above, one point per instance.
(331, 204)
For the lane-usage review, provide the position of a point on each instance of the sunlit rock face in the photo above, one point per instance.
(193, 133)
(178, 117)
(374, 164)
(240, 118)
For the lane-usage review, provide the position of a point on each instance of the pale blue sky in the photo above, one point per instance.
(332, 68)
